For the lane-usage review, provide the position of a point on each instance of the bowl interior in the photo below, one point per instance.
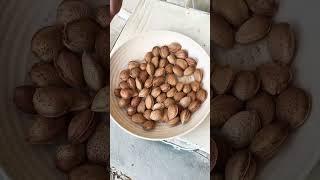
(135, 49)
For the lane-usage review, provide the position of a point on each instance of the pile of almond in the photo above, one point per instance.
(69, 90)
(151, 90)
(252, 112)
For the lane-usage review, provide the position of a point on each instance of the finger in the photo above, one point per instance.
(115, 6)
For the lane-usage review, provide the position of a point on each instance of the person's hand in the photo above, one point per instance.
(115, 6)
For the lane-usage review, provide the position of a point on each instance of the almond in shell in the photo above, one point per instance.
(143, 76)
(45, 74)
(179, 86)
(164, 51)
(80, 35)
(44, 130)
(185, 116)
(293, 107)
(254, 29)
(161, 98)
(173, 111)
(171, 79)
(81, 127)
(148, 57)
(194, 106)
(147, 114)
(141, 107)
(97, 145)
(189, 71)
(181, 54)
(174, 47)
(274, 77)
(158, 81)
(222, 78)
(52, 101)
(185, 101)
(281, 43)
(144, 92)
(156, 115)
(236, 12)
(246, 85)
(69, 156)
(148, 125)
(69, 68)
(268, 140)
(222, 32)
(138, 118)
(241, 128)
(172, 59)
(156, 51)
(177, 70)
(182, 63)
(149, 102)
(47, 43)
(174, 121)
(222, 108)
(186, 88)
(241, 165)
(263, 7)
(72, 10)
(93, 72)
(264, 104)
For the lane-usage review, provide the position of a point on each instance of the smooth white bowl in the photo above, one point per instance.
(135, 49)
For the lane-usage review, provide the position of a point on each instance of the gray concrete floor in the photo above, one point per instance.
(145, 160)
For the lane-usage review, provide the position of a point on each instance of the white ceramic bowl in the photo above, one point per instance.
(19, 20)
(135, 49)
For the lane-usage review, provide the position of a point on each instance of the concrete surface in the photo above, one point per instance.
(146, 160)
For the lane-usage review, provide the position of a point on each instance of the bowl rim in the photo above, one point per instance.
(133, 38)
